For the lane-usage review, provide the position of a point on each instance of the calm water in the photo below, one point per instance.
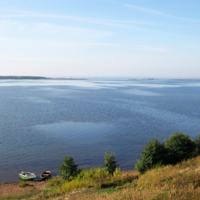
(41, 122)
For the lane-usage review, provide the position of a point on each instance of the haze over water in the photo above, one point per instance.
(42, 121)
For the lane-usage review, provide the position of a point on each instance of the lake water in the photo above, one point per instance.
(42, 121)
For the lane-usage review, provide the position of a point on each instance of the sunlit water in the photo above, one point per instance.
(42, 121)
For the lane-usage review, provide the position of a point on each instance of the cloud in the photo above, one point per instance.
(150, 48)
(103, 45)
(118, 23)
(147, 10)
(83, 44)
(53, 28)
(153, 49)
(75, 30)
(88, 20)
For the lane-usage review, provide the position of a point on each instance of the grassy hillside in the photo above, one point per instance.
(181, 181)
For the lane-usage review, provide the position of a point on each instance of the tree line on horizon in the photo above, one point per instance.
(22, 77)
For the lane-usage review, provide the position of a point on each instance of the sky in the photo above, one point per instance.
(127, 38)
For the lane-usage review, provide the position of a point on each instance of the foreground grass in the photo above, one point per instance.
(181, 181)
(91, 180)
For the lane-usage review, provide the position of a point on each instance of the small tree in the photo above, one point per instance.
(179, 147)
(110, 162)
(68, 169)
(152, 155)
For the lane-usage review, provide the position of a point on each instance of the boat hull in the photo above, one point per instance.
(45, 175)
(27, 176)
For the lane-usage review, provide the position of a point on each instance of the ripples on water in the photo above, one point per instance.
(43, 121)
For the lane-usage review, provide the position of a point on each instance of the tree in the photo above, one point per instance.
(110, 162)
(68, 169)
(179, 147)
(197, 142)
(152, 155)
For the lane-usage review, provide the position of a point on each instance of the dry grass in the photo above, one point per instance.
(181, 181)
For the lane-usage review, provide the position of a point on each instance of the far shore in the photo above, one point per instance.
(37, 78)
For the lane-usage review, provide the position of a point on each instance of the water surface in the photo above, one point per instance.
(42, 121)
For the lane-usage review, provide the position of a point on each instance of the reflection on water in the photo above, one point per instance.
(44, 121)
(80, 132)
(46, 83)
(140, 92)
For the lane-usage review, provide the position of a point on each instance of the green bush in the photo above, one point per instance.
(68, 169)
(197, 142)
(152, 154)
(179, 147)
(110, 162)
(94, 174)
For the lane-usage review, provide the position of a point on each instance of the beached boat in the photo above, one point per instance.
(45, 175)
(27, 175)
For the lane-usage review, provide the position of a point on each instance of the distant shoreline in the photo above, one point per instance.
(186, 79)
(50, 78)
(38, 78)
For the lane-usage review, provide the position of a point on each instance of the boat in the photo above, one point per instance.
(27, 175)
(45, 175)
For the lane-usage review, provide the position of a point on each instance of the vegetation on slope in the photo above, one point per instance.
(181, 181)
(158, 179)
(177, 148)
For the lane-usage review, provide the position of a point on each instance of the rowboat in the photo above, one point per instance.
(45, 175)
(27, 175)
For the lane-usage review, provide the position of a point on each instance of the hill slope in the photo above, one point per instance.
(181, 181)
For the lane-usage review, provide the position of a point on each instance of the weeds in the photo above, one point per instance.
(23, 184)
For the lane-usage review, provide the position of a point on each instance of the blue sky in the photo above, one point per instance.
(146, 38)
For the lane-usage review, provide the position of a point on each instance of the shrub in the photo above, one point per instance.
(55, 181)
(74, 184)
(117, 173)
(68, 169)
(179, 147)
(152, 154)
(23, 184)
(110, 162)
(94, 174)
(197, 142)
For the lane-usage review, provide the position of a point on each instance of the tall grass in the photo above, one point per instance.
(95, 178)
(181, 181)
